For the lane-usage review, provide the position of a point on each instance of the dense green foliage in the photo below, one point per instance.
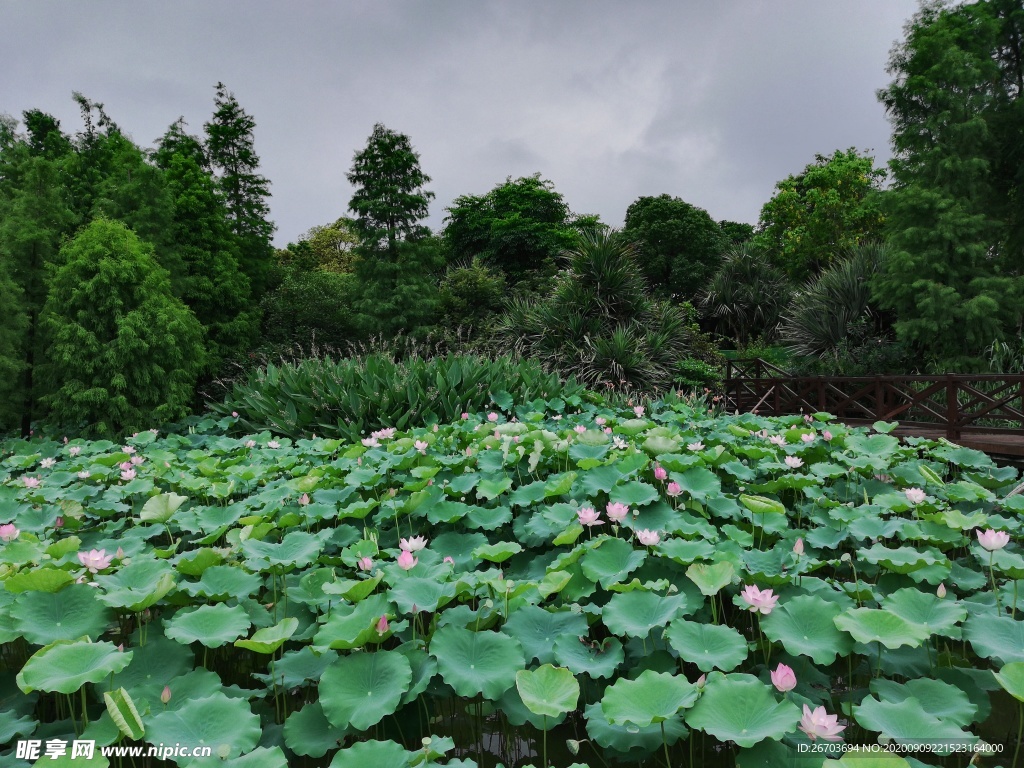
(122, 352)
(817, 215)
(679, 245)
(956, 276)
(674, 589)
(747, 295)
(311, 308)
(470, 295)
(350, 398)
(600, 324)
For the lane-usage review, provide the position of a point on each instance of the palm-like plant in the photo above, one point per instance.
(747, 295)
(822, 317)
(599, 323)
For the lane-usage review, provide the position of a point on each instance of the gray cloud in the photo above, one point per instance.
(714, 102)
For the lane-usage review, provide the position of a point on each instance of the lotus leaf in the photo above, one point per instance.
(598, 660)
(707, 645)
(477, 662)
(624, 738)
(742, 709)
(548, 691)
(372, 754)
(937, 698)
(611, 562)
(905, 722)
(71, 613)
(652, 698)
(805, 626)
(65, 666)
(871, 625)
(538, 630)
(225, 724)
(210, 625)
(998, 637)
(635, 614)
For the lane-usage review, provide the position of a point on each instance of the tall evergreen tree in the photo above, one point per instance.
(395, 260)
(956, 277)
(210, 281)
(230, 147)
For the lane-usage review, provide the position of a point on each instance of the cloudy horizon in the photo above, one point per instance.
(713, 103)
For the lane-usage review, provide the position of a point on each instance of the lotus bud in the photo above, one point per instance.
(121, 648)
(701, 681)
(304, 499)
(119, 554)
(165, 694)
(798, 547)
(941, 591)
(382, 625)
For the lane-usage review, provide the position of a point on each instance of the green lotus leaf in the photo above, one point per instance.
(211, 625)
(624, 738)
(707, 645)
(499, 552)
(996, 637)
(634, 493)
(684, 551)
(1003, 561)
(269, 639)
(66, 761)
(538, 629)
(937, 698)
(223, 582)
(424, 667)
(652, 697)
(512, 708)
(805, 626)
(298, 668)
(477, 662)
(699, 483)
(611, 562)
(72, 613)
(353, 626)
(760, 505)
(361, 689)
(372, 754)
(354, 590)
(710, 579)
(635, 614)
(38, 580)
(902, 560)
(160, 509)
(874, 759)
(874, 625)
(296, 550)
(488, 518)
(423, 594)
(123, 712)
(939, 615)
(907, 722)
(1011, 678)
(261, 757)
(548, 691)
(227, 725)
(309, 733)
(139, 585)
(599, 660)
(65, 666)
(742, 709)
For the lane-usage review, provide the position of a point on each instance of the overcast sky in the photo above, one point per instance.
(713, 101)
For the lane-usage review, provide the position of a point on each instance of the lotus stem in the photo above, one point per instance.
(1020, 732)
(545, 741)
(664, 743)
(992, 576)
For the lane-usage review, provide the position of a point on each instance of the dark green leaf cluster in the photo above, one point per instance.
(747, 295)
(352, 397)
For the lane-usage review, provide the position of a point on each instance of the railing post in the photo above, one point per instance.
(878, 399)
(952, 406)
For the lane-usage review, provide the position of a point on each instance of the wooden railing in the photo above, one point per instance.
(956, 403)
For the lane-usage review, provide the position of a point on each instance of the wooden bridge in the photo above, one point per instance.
(985, 412)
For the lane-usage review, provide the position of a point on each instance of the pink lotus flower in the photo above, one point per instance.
(821, 725)
(600, 420)
(365, 563)
(698, 446)
(406, 560)
(83, 475)
(370, 442)
(421, 446)
(607, 430)
(30, 482)
(783, 678)
(794, 462)
(273, 444)
(807, 438)
(777, 440)
(758, 600)
(304, 499)
(250, 443)
(59, 522)
(808, 418)
(492, 416)
(618, 442)
(798, 547)
(660, 473)
(617, 511)
(465, 415)
(579, 429)
(165, 694)
(382, 625)
(136, 460)
(992, 540)
(125, 465)
(9, 532)
(74, 450)
(674, 489)
(127, 474)
(915, 495)
(826, 435)
(448, 560)
(47, 462)
(234, 414)
(127, 448)
(384, 434)
(941, 591)
(638, 410)
(413, 544)
(648, 538)
(95, 560)
(589, 516)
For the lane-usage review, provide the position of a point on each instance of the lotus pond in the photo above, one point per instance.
(559, 583)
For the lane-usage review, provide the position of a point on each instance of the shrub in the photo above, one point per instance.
(347, 399)
(747, 294)
(310, 307)
(694, 374)
(470, 294)
(122, 353)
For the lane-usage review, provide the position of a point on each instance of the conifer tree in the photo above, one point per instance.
(231, 150)
(122, 353)
(395, 259)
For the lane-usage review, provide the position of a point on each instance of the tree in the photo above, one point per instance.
(122, 352)
(519, 227)
(333, 245)
(747, 294)
(822, 212)
(395, 261)
(956, 276)
(209, 281)
(679, 245)
(737, 232)
(231, 149)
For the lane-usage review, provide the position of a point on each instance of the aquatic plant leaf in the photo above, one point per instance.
(707, 645)
(742, 709)
(361, 689)
(477, 662)
(548, 690)
(652, 697)
(805, 626)
(226, 724)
